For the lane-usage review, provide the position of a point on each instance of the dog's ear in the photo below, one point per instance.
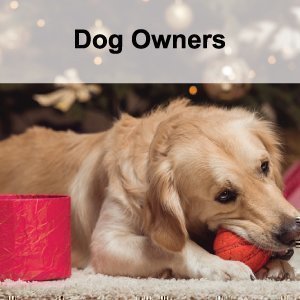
(266, 132)
(166, 224)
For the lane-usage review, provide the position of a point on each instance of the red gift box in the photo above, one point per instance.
(35, 237)
(292, 185)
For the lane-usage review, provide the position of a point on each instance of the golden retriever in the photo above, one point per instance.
(145, 191)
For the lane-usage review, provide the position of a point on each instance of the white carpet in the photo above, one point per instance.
(87, 285)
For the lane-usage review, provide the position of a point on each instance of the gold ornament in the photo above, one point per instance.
(227, 91)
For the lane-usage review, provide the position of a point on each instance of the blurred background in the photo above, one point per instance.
(94, 107)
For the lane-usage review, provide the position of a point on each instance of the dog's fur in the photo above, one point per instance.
(141, 189)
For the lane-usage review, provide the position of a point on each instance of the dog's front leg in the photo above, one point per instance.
(117, 250)
(126, 254)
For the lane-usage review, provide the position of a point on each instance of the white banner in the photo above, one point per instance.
(149, 41)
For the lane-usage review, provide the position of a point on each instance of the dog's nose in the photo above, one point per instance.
(290, 233)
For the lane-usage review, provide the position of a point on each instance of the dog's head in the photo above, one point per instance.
(220, 168)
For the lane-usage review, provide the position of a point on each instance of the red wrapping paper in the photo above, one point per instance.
(292, 185)
(35, 238)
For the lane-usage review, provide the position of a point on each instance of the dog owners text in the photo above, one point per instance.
(142, 39)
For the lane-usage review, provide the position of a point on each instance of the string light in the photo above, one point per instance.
(193, 90)
(98, 23)
(99, 28)
(179, 15)
(228, 72)
(97, 60)
(287, 52)
(272, 60)
(14, 38)
(251, 74)
(40, 23)
(14, 4)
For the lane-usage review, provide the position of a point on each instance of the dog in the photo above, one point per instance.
(145, 192)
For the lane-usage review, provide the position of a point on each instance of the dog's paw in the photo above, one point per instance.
(219, 269)
(230, 270)
(276, 269)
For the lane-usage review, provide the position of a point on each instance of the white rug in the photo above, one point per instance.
(87, 285)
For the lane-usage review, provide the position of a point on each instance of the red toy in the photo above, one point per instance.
(230, 246)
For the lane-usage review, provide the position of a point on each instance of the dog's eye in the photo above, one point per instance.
(227, 196)
(265, 167)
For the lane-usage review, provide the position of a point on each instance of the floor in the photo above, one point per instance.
(87, 285)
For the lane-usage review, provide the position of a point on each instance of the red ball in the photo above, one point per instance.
(230, 246)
